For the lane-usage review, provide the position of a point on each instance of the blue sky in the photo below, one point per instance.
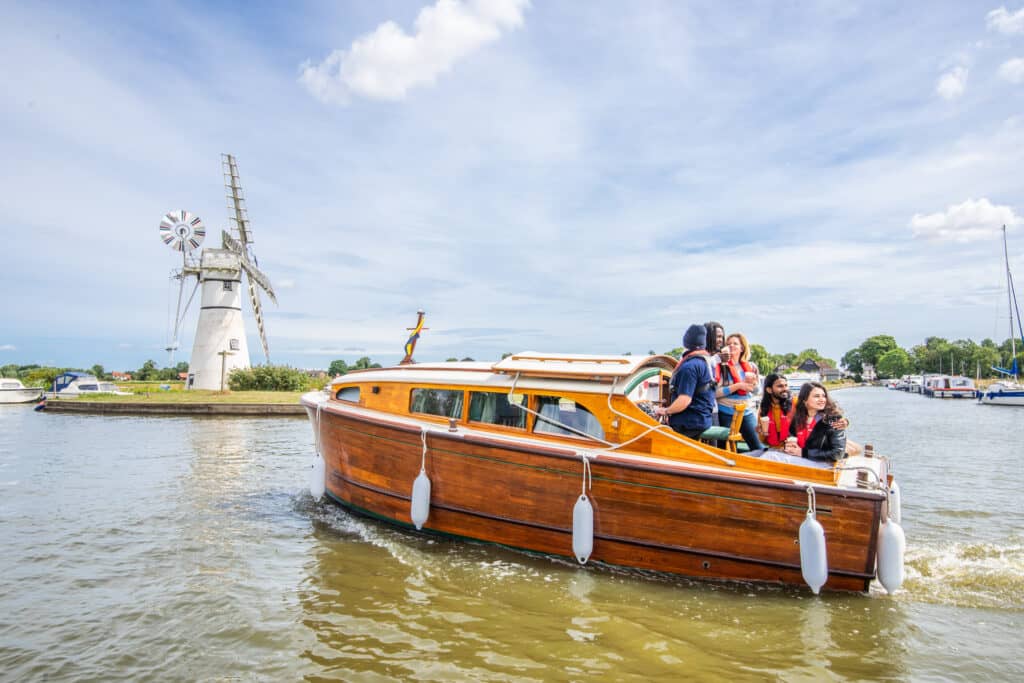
(552, 176)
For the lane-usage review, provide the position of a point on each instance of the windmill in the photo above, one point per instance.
(220, 344)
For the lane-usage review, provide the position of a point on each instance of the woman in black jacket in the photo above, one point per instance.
(815, 430)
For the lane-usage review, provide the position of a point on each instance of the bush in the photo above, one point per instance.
(269, 378)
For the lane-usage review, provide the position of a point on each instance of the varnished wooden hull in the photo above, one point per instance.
(651, 514)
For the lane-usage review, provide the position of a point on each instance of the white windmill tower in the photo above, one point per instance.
(220, 344)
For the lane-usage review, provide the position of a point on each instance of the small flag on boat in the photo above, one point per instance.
(410, 344)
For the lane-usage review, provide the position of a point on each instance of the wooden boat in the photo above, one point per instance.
(511, 448)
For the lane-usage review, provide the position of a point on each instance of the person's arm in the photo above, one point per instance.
(681, 403)
(833, 446)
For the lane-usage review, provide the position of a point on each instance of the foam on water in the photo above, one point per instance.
(983, 575)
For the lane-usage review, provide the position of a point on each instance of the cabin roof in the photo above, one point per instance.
(578, 366)
(565, 372)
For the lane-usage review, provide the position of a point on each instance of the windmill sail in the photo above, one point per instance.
(239, 217)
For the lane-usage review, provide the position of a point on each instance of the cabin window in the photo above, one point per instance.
(88, 387)
(348, 394)
(443, 402)
(555, 414)
(227, 285)
(493, 408)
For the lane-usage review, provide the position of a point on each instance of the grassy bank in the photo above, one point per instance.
(194, 396)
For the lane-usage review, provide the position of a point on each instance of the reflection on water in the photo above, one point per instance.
(187, 549)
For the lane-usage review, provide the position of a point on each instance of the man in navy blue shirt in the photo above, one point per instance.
(692, 388)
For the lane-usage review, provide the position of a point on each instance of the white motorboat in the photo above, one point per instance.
(945, 386)
(76, 384)
(13, 391)
(1008, 391)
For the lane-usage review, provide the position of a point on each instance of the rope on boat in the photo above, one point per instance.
(812, 501)
(668, 431)
(319, 408)
(545, 418)
(423, 459)
(587, 476)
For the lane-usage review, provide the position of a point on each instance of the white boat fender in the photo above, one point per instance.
(419, 507)
(318, 470)
(317, 477)
(892, 544)
(895, 503)
(813, 552)
(583, 520)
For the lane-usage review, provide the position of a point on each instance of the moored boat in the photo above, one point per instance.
(946, 386)
(558, 455)
(76, 384)
(1007, 391)
(13, 391)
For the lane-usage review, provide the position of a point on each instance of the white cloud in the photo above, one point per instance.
(973, 220)
(1012, 70)
(286, 283)
(388, 62)
(1006, 22)
(952, 83)
(8, 347)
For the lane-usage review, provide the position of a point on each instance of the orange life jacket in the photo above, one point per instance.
(734, 372)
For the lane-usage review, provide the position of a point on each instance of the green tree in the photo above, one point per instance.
(873, 348)
(760, 356)
(98, 371)
(337, 367)
(148, 372)
(853, 362)
(364, 363)
(894, 363)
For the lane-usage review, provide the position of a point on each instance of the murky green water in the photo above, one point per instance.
(187, 549)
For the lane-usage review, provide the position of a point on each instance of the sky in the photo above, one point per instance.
(547, 176)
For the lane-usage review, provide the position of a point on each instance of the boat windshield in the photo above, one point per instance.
(557, 413)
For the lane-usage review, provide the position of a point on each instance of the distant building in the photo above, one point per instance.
(823, 371)
(121, 376)
(183, 376)
(868, 374)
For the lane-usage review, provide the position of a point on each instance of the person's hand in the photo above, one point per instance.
(746, 385)
(791, 447)
(724, 353)
(841, 424)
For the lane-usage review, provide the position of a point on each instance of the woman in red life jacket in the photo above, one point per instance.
(776, 406)
(737, 383)
(816, 426)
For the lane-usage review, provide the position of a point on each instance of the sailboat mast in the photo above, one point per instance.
(1009, 300)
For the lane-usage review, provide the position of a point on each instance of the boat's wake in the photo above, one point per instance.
(985, 575)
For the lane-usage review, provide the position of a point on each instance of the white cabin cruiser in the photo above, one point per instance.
(75, 384)
(945, 386)
(13, 391)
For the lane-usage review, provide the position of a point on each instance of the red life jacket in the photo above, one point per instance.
(804, 430)
(778, 426)
(734, 373)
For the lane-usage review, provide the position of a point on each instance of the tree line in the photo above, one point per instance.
(935, 355)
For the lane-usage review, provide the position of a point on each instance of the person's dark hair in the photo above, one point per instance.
(769, 399)
(712, 340)
(800, 413)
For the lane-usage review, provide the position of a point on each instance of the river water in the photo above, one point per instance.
(187, 549)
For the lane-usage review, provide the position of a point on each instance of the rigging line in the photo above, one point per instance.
(669, 432)
(549, 420)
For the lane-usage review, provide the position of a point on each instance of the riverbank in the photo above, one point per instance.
(247, 403)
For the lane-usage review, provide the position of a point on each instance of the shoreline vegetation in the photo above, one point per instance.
(877, 358)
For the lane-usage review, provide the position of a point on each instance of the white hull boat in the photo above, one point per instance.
(1007, 392)
(1003, 394)
(13, 391)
